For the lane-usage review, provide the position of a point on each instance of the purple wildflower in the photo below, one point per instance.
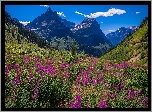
(102, 104)
(67, 75)
(94, 81)
(30, 77)
(106, 65)
(109, 94)
(131, 94)
(78, 98)
(115, 95)
(29, 70)
(10, 66)
(100, 80)
(16, 66)
(117, 87)
(84, 82)
(106, 86)
(139, 91)
(16, 80)
(51, 61)
(117, 74)
(35, 91)
(72, 105)
(145, 100)
(35, 94)
(77, 104)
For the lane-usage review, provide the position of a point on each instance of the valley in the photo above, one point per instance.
(53, 63)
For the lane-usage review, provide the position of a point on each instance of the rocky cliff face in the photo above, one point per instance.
(49, 25)
(121, 34)
(89, 32)
(69, 24)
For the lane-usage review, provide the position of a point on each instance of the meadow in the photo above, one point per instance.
(47, 78)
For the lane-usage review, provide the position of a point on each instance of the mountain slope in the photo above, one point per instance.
(121, 34)
(133, 49)
(16, 33)
(68, 23)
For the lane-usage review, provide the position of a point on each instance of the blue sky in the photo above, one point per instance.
(110, 17)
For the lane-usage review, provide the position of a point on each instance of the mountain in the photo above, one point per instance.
(49, 25)
(89, 32)
(134, 48)
(69, 24)
(121, 34)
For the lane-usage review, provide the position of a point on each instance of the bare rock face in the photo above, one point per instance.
(89, 32)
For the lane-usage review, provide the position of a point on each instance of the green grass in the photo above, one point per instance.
(131, 47)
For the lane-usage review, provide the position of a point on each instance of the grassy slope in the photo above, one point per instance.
(133, 49)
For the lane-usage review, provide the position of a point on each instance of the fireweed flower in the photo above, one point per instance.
(72, 105)
(35, 94)
(139, 91)
(109, 94)
(117, 87)
(117, 74)
(77, 104)
(84, 82)
(10, 66)
(16, 80)
(78, 98)
(131, 94)
(122, 85)
(94, 81)
(30, 77)
(16, 66)
(67, 75)
(106, 65)
(102, 104)
(145, 100)
(106, 86)
(29, 70)
(100, 80)
(115, 95)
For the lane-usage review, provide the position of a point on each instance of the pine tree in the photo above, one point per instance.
(73, 49)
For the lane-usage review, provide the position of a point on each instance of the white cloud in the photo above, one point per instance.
(110, 12)
(61, 14)
(101, 22)
(111, 30)
(78, 13)
(24, 23)
(44, 5)
(137, 12)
